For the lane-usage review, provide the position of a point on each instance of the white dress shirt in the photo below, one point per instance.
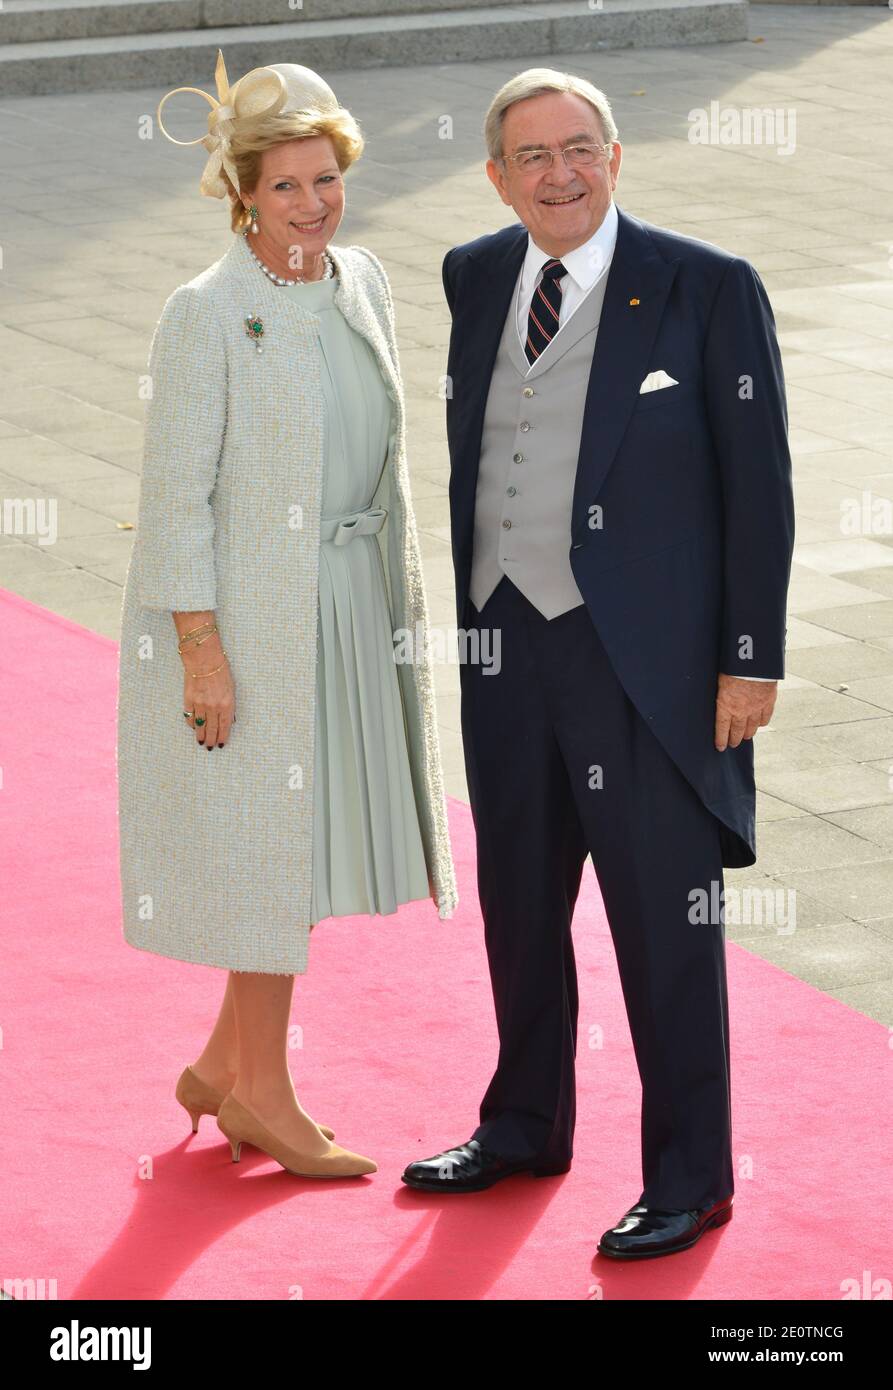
(585, 266)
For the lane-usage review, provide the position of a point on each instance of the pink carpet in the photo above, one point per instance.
(107, 1192)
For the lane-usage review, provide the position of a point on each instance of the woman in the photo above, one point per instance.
(276, 556)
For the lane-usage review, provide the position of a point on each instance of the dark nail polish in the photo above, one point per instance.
(220, 745)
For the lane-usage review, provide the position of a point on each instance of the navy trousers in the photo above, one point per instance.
(560, 764)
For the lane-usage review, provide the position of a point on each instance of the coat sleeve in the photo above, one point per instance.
(747, 412)
(184, 431)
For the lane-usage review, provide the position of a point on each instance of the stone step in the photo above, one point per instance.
(866, 4)
(36, 21)
(169, 57)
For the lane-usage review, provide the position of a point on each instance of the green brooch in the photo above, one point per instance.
(254, 327)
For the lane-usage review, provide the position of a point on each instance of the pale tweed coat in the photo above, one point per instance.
(216, 847)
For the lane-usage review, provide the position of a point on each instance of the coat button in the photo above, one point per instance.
(528, 391)
(506, 524)
(511, 491)
(517, 458)
(524, 427)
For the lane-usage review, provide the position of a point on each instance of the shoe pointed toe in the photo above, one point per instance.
(346, 1163)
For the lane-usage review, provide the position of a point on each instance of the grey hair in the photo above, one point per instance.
(536, 82)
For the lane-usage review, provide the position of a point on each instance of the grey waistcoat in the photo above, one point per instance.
(529, 450)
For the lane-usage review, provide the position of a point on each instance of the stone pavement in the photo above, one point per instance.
(99, 225)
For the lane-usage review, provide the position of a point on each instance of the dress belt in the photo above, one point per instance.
(341, 529)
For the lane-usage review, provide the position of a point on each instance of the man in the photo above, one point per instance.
(622, 513)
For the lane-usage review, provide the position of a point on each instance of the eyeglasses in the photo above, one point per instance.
(574, 156)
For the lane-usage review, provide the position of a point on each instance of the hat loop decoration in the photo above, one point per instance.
(264, 91)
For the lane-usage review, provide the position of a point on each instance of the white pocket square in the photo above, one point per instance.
(656, 381)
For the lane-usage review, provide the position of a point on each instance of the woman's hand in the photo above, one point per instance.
(212, 699)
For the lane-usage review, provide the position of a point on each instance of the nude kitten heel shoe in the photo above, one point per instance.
(241, 1127)
(199, 1099)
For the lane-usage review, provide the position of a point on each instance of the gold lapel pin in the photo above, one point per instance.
(254, 327)
(633, 302)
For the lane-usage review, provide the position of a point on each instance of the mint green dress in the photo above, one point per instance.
(367, 846)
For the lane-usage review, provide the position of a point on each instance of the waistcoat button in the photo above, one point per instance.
(524, 426)
(511, 491)
(506, 524)
(517, 458)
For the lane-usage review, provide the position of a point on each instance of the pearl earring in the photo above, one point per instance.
(253, 213)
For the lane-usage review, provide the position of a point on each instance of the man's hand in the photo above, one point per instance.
(742, 707)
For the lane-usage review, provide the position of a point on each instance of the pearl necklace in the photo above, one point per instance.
(327, 274)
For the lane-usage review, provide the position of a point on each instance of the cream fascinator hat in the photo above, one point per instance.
(266, 91)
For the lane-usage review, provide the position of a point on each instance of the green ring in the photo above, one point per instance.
(199, 722)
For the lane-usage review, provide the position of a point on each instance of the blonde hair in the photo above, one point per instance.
(535, 82)
(253, 137)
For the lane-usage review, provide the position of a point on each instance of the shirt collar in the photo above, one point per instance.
(585, 264)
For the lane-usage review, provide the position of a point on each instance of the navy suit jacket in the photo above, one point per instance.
(682, 524)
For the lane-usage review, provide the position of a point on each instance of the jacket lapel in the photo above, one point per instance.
(356, 306)
(496, 278)
(477, 334)
(620, 361)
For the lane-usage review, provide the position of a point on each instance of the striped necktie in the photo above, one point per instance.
(545, 307)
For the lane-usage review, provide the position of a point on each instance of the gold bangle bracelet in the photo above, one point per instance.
(198, 634)
(201, 674)
(200, 628)
(198, 641)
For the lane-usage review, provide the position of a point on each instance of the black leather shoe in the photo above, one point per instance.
(471, 1168)
(647, 1231)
